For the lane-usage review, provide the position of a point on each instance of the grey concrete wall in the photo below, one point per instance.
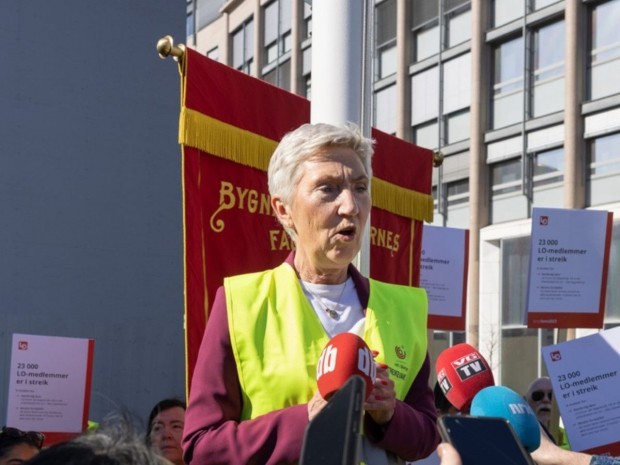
(90, 191)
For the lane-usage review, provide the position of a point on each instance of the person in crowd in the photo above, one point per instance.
(254, 386)
(540, 397)
(114, 442)
(165, 429)
(17, 446)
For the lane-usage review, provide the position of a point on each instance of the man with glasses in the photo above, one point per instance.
(17, 446)
(540, 395)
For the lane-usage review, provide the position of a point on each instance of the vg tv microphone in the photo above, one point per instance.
(461, 373)
(345, 355)
(502, 402)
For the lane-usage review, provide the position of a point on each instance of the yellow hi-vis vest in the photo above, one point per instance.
(277, 338)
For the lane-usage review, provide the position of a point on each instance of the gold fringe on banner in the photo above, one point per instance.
(401, 201)
(224, 140)
(247, 148)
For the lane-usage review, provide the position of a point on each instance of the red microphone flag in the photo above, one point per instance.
(461, 373)
(345, 355)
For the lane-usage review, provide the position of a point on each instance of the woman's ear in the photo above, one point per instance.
(282, 211)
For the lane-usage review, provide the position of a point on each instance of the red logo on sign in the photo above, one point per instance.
(556, 356)
(544, 220)
(22, 345)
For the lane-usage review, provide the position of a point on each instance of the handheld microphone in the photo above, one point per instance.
(461, 373)
(500, 401)
(345, 355)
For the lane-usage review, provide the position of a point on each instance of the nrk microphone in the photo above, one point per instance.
(345, 355)
(461, 373)
(499, 401)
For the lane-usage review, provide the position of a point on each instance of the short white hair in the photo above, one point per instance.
(303, 143)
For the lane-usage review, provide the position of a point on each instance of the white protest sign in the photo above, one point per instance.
(568, 268)
(443, 274)
(49, 386)
(585, 374)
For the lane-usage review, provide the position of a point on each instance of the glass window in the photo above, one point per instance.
(308, 88)
(385, 110)
(242, 47)
(425, 96)
(280, 76)
(214, 54)
(271, 31)
(603, 174)
(450, 5)
(612, 301)
(515, 268)
(427, 42)
(271, 77)
(308, 19)
(508, 83)
(277, 30)
(538, 4)
(386, 62)
(425, 28)
(438, 216)
(505, 11)
(548, 167)
(507, 201)
(457, 83)
(306, 63)
(207, 11)
(457, 204)
(548, 177)
(426, 135)
(548, 73)
(458, 27)
(506, 176)
(520, 359)
(189, 24)
(457, 126)
(286, 16)
(306, 59)
(520, 345)
(605, 53)
(458, 192)
(385, 32)
(423, 11)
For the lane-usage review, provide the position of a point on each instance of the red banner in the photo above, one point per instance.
(230, 124)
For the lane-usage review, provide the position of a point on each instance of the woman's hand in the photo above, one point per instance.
(382, 401)
(315, 405)
(550, 454)
(448, 454)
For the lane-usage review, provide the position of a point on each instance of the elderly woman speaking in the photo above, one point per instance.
(254, 388)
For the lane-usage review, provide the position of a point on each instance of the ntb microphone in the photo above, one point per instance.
(345, 355)
(461, 373)
(502, 402)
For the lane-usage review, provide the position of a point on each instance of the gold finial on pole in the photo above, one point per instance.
(166, 47)
(437, 158)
